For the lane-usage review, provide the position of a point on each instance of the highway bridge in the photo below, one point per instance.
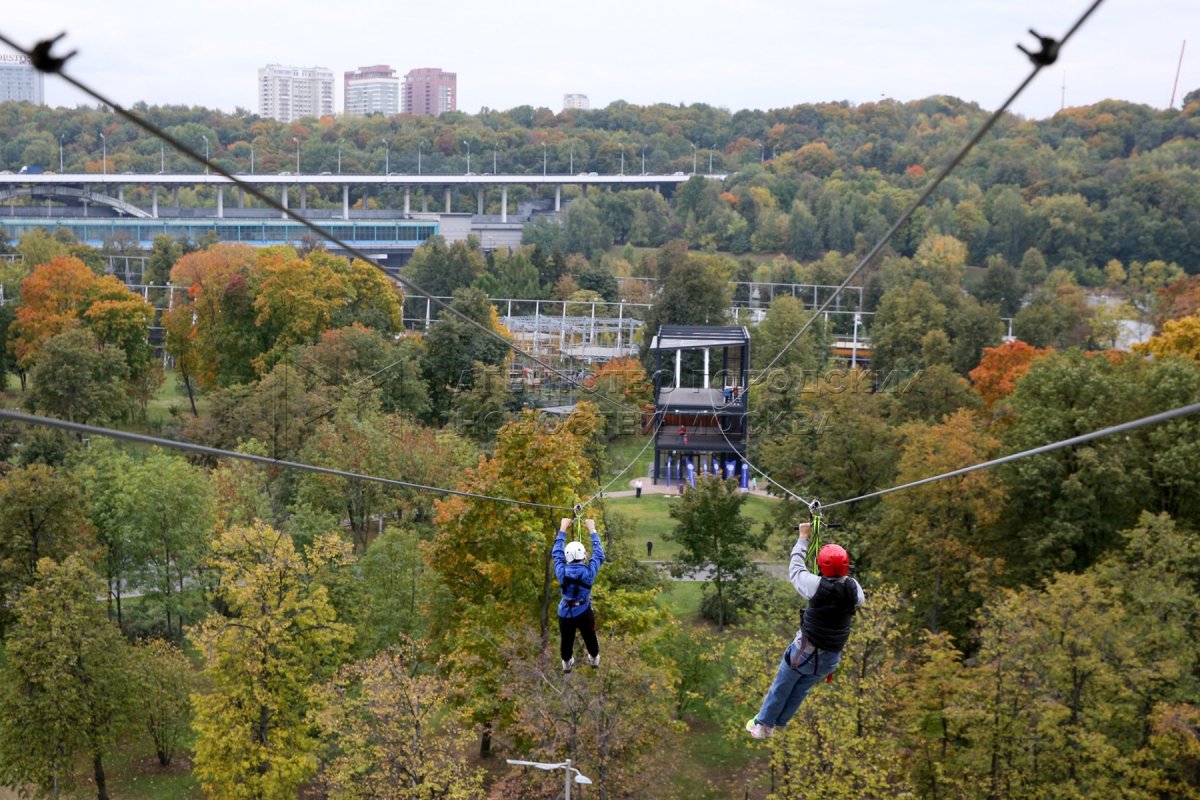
(95, 208)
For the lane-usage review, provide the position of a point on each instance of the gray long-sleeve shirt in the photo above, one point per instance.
(806, 583)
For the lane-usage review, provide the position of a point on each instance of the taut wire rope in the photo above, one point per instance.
(137, 438)
(1043, 58)
(1153, 419)
(44, 62)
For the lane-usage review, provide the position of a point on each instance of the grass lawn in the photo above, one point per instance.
(621, 451)
(650, 519)
(172, 395)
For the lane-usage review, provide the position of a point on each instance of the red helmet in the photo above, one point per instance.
(833, 561)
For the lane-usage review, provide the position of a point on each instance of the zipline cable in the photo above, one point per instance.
(766, 477)
(1153, 419)
(42, 60)
(1044, 58)
(137, 438)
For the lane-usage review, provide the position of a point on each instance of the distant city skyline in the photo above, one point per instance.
(758, 55)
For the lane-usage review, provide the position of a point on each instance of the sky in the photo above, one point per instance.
(747, 54)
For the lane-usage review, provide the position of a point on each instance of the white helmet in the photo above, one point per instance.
(574, 551)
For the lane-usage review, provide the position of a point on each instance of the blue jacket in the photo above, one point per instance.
(576, 578)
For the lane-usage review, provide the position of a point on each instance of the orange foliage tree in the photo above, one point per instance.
(1001, 367)
(65, 294)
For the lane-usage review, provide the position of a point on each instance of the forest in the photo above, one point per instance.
(184, 624)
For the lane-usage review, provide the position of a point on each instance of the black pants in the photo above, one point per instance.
(585, 623)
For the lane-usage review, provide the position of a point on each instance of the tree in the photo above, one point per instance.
(264, 662)
(69, 689)
(355, 358)
(617, 721)
(51, 299)
(295, 300)
(696, 292)
(584, 231)
(168, 509)
(902, 320)
(453, 345)
(357, 439)
(40, 517)
(99, 472)
(482, 408)
(494, 558)
(935, 545)
(442, 270)
(391, 737)
(1179, 337)
(225, 338)
(1081, 496)
(713, 537)
(165, 681)
(76, 381)
(1001, 367)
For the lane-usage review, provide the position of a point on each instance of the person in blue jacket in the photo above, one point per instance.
(576, 574)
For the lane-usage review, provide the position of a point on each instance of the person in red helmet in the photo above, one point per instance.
(833, 597)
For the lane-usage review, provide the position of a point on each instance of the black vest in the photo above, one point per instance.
(826, 621)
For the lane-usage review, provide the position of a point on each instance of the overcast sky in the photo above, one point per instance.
(745, 54)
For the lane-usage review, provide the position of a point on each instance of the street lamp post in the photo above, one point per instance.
(571, 168)
(387, 157)
(60, 152)
(205, 138)
(693, 144)
(622, 158)
(493, 159)
(468, 144)
(339, 158)
(710, 155)
(104, 153)
(297, 141)
(643, 160)
(543, 159)
(418, 158)
(251, 159)
(564, 766)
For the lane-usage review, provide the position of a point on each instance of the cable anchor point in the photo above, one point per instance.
(41, 59)
(814, 508)
(1049, 52)
(578, 509)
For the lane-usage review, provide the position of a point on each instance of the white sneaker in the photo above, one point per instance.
(594, 662)
(568, 665)
(759, 731)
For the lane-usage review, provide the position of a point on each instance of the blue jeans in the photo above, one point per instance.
(791, 684)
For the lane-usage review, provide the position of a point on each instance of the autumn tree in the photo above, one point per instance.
(165, 679)
(844, 731)
(613, 723)
(41, 516)
(225, 336)
(52, 298)
(1179, 337)
(391, 738)
(264, 662)
(494, 558)
(934, 545)
(1000, 368)
(68, 689)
